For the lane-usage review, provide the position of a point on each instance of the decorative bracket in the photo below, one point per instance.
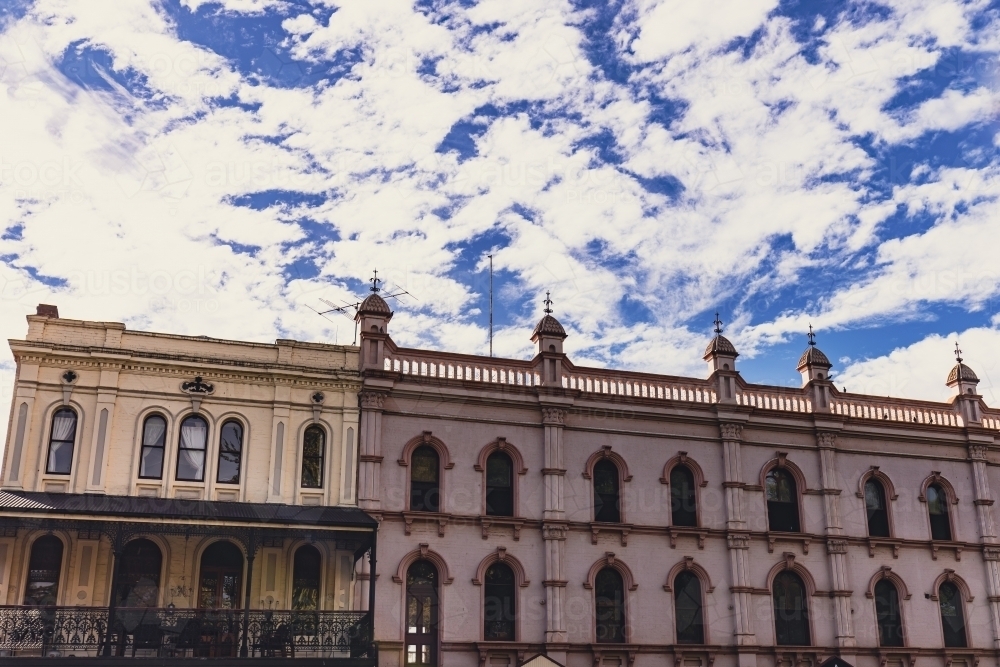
(197, 391)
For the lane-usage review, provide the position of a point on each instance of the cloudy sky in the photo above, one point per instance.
(217, 168)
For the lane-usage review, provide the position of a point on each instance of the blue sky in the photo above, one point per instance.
(219, 167)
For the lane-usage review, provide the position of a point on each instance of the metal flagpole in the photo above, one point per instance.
(491, 305)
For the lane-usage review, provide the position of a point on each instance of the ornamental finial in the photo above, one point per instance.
(812, 336)
(718, 323)
(958, 353)
(375, 280)
(548, 303)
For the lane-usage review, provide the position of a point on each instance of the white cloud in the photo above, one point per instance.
(671, 26)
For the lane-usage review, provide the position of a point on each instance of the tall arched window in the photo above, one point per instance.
(61, 441)
(887, 614)
(139, 579)
(421, 614)
(937, 507)
(688, 608)
(607, 506)
(191, 454)
(791, 613)
(44, 567)
(154, 438)
(878, 511)
(782, 501)
(230, 453)
(313, 449)
(221, 576)
(952, 615)
(425, 475)
(683, 511)
(499, 485)
(305, 578)
(499, 604)
(609, 602)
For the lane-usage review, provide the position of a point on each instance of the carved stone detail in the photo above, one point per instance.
(553, 416)
(372, 400)
(991, 552)
(738, 541)
(977, 452)
(731, 431)
(826, 440)
(836, 546)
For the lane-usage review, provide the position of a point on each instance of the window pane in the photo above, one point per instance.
(499, 485)
(878, 513)
(887, 614)
(682, 497)
(606, 499)
(937, 507)
(791, 615)
(952, 615)
(424, 490)
(305, 579)
(61, 441)
(499, 612)
(139, 582)
(782, 502)
(425, 465)
(313, 449)
(688, 609)
(191, 454)
(609, 596)
(154, 433)
(43, 571)
(230, 453)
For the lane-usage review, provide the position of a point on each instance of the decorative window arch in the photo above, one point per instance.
(788, 565)
(953, 610)
(426, 439)
(698, 479)
(875, 473)
(63, 431)
(688, 565)
(43, 577)
(513, 631)
(517, 469)
(423, 552)
(628, 585)
(950, 502)
(192, 448)
(307, 577)
(315, 440)
(875, 518)
(607, 489)
(781, 462)
(888, 619)
(232, 443)
(141, 574)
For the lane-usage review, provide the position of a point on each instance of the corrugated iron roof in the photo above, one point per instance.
(130, 507)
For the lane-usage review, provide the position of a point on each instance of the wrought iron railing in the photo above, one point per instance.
(183, 633)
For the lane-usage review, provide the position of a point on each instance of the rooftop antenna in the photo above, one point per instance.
(343, 309)
(491, 304)
(812, 336)
(548, 303)
(958, 353)
(718, 324)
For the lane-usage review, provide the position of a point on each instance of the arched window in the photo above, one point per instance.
(609, 602)
(230, 453)
(683, 511)
(421, 613)
(782, 501)
(313, 448)
(499, 485)
(221, 576)
(499, 605)
(44, 566)
(425, 487)
(688, 608)
(191, 455)
(154, 438)
(61, 441)
(139, 579)
(791, 613)
(878, 511)
(305, 578)
(937, 507)
(606, 497)
(887, 614)
(952, 615)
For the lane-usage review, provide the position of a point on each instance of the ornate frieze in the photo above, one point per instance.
(731, 431)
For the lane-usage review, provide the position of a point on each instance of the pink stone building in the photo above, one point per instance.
(623, 519)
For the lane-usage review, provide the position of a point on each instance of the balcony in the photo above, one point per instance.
(81, 632)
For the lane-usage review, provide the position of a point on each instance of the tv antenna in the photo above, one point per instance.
(351, 309)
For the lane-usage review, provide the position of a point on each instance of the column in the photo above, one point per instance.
(370, 458)
(554, 531)
(836, 545)
(281, 454)
(738, 541)
(991, 547)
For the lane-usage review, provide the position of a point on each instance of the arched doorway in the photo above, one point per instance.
(305, 578)
(44, 566)
(221, 576)
(421, 614)
(139, 581)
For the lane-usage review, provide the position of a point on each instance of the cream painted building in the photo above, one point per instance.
(221, 473)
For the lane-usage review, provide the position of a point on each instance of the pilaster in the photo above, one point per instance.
(987, 532)
(836, 546)
(554, 528)
(370, 458)
(738, 538)
(16, 453)
(107, 394)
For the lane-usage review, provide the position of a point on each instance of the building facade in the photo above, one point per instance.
(180, 496)
(618, 519)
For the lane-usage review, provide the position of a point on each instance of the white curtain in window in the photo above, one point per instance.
(63, 426)
(194, 437)
(153, 436)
